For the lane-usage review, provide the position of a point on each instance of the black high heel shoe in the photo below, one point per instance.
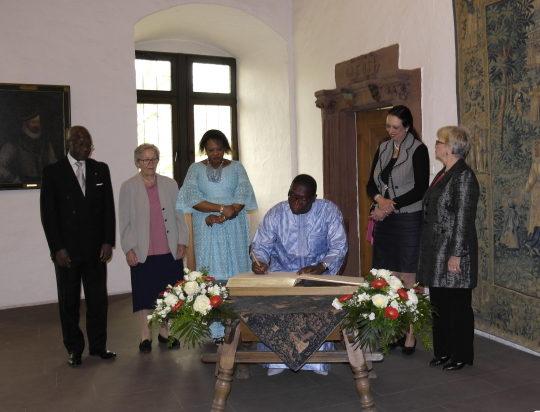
(439, 360)
(409, 350)
(454, 366)
(399, 343)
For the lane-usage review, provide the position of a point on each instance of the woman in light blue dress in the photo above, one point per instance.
(218, 193)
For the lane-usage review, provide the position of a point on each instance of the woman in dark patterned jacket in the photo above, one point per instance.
(448, 261)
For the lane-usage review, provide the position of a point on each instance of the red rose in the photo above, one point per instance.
(403, 294)
(162, 293)
(209, 279)
(180, 283)
(177, 306)
(379, 283)
(344, 298)
(391, 312)
(419, 289)
(215, 301)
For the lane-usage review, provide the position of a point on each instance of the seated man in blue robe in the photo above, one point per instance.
(305, 235)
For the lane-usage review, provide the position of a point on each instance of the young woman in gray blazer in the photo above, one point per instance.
(399, 178)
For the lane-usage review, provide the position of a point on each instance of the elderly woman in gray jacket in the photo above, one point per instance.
(448, 261)
(153, 237)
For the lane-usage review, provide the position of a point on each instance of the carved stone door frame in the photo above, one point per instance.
(367, 82)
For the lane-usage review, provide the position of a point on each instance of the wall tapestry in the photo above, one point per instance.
(498, 53)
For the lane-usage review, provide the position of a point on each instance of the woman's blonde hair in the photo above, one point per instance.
(458, 138)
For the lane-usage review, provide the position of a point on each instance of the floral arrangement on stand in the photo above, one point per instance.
(188, 305)
(382, 310)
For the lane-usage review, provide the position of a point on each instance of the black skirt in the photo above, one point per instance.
(396, 242)
(150, 278)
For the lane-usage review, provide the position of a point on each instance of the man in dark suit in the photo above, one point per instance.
(77, 213)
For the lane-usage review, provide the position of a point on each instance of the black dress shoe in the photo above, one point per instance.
(453, 366)
(75, 359)
(175, 343)
(103, 354)
(409, 350)
(145, 346)
(439, 360)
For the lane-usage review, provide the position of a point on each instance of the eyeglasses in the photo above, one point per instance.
(438, 142)
(148, 161)
(294, 198)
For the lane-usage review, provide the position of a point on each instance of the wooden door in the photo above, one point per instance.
(371, 131)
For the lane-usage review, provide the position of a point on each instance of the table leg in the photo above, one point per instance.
(358, 366)
(243, 368)
(226, 370)
(218, 352)
(369, 364)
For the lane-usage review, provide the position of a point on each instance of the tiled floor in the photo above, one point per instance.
(34, 376)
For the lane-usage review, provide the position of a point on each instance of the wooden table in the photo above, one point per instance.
(234, 351)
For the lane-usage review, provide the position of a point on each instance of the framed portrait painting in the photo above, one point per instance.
(33, 124)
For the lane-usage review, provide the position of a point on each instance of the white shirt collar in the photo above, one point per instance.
(72, 160)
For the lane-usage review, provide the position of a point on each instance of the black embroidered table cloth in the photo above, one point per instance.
(293, 327)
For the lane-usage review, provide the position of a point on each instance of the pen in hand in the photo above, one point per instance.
(258, 267)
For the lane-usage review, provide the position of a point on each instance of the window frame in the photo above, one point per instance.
(183, 99)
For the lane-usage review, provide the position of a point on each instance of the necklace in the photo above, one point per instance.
(149, 181)
(214, 175)
(396, 146)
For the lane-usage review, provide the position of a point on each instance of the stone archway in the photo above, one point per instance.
(367, 82)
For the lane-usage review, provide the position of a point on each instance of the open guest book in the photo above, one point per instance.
(289, 283)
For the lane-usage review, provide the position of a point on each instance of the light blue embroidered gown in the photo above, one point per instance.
(224, 248)
(290, 242)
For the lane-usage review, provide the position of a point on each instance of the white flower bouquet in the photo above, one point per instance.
(188, 304)
(382, 310)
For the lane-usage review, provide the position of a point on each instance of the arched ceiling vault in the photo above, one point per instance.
(234, 31)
